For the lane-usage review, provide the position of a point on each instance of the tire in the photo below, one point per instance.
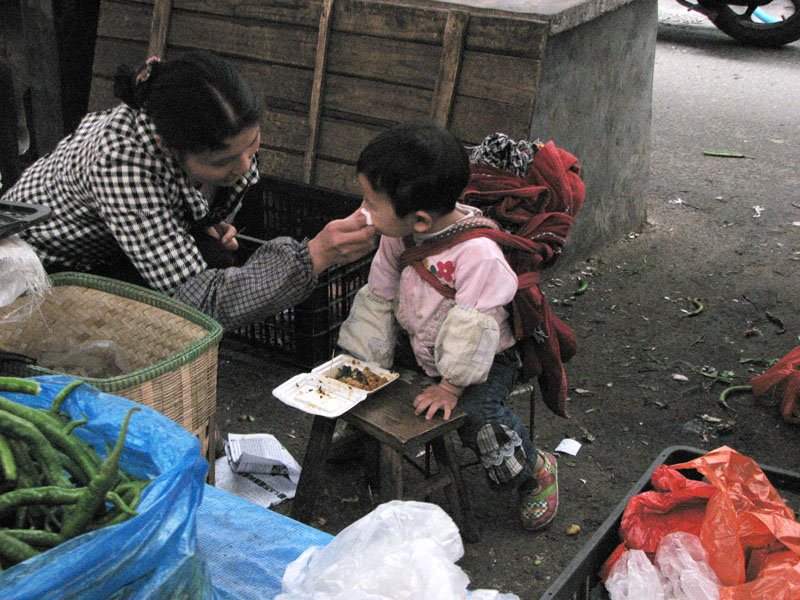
(749, 30)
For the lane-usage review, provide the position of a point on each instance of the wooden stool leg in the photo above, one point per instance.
(444, 452)
(391, 473)
(372, 464)
(319, 442)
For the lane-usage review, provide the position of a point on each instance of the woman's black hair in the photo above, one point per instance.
(196, 100)
(419, 165)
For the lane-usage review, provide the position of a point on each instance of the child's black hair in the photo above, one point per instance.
(419, 165)
(196, 100)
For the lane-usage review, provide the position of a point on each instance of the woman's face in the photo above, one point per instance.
(221, 168)
(381, 211)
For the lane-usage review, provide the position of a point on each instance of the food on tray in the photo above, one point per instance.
(362, 378)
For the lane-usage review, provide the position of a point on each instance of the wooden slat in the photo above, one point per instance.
(268, 42)
(474, 118)
(124, 21)
(284, 131)
(344, 140)
(304, 13)
(159, 28)
(505, 79)
(409, 63)
(280, 164)
(336, 176)
(315, 111)
(449, 65)
(282, 86)
(374, 102)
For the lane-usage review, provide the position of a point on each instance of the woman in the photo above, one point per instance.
(140, 192)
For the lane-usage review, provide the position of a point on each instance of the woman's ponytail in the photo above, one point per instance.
(133, 87)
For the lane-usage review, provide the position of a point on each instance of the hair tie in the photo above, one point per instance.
(145, 73)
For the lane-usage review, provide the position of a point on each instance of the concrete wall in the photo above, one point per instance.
(594, 100)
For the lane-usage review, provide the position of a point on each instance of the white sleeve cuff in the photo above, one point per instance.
(466, 346)
(370, 330)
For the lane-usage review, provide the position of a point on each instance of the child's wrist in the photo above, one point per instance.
(450, 388)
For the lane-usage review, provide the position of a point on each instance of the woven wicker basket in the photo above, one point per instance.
(173, 346)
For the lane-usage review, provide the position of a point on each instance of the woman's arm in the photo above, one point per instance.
(279, 274)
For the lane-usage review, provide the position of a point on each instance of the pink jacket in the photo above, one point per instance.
(478, 271)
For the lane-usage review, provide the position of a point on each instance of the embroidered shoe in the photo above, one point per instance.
(538, 503)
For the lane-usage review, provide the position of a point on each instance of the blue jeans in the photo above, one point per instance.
(508, 459)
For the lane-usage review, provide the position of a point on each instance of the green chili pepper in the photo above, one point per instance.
(723, 397)
(69, 427)
(120, 504)
(725, 154)
(14, 550)
(41, 450)
(583, 285)
(62, 395)
(50, 495)
(20, 386)
(698, 308)
(52, 428)
(776, 321)
(35, 537)
(7, 462)
(79, 518)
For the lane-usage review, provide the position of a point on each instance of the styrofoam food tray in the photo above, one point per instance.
(331, 368)
(318, 394)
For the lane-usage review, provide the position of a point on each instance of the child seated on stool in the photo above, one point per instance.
(411, 177)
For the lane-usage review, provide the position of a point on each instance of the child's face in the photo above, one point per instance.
(382, 212)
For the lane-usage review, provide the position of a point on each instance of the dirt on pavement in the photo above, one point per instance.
(700, 297)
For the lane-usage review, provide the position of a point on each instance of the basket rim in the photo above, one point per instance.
(152, 298)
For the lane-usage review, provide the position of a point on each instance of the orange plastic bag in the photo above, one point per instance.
(784, 376)
(751, 536)
(675, 504)
(746, 517)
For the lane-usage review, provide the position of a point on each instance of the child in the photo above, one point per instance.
(412, 176)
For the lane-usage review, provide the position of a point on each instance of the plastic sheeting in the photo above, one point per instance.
(249, 547)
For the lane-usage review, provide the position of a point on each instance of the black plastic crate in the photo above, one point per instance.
(580, 581)
(305, 334)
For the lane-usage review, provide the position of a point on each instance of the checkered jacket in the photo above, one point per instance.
(109, 186)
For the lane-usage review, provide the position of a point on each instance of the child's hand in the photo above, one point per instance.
(434, 398)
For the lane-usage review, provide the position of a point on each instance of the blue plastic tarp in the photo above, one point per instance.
(249, 547)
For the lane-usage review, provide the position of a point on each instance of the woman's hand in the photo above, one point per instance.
(342, 241)
(434, 398)
(225, 233)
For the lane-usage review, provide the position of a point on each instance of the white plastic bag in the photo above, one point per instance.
(683, 564)
(402, 550)
(21, 273)
(634, 577)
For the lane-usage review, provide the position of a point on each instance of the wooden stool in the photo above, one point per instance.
(388, 417)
